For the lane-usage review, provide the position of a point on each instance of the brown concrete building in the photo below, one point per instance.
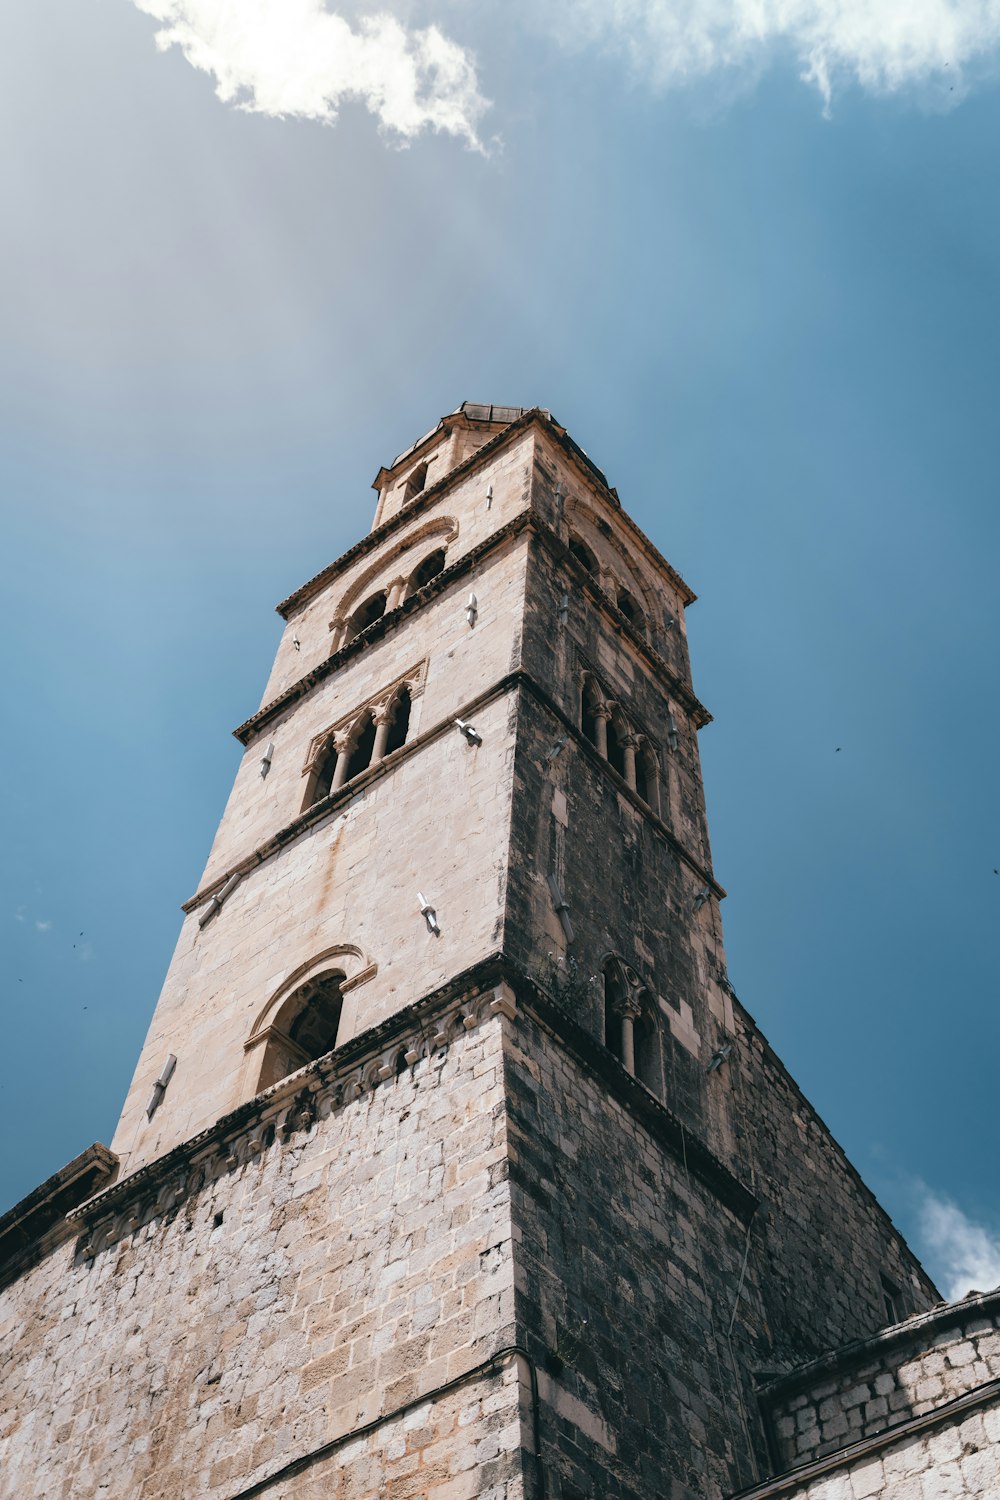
(452, 1166)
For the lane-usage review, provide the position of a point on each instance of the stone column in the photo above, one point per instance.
(601, 716)
(342, 745)
(630, 1011)
(629, 744)
(383, 718)
(394, 594)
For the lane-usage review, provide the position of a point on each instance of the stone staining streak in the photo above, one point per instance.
(495, 1190)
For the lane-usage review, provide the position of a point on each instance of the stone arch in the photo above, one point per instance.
(285, 1032)
(370, 610)
(584, 556)
(444, 528)
(584, 522)
(428, 568)
(629, 606)
(397, 713)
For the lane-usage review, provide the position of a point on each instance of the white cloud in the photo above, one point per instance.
(883, 45)
(295, 58)
(963, 1256)
(42, 926)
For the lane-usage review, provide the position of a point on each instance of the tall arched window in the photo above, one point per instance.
(629, 607)
(431, 566)
(362, 744)
(583, 555)
(415, 483)
(366, 614)
(304, 1029)
(321, 782)
(591, 702)
(616, 750)
(614, 1006)
(399, 721)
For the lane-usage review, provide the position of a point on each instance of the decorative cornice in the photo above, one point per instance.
(526, 520)
(384, 625)
(339, 799)
(290, 1108)
(38, 1223)
(422, 502)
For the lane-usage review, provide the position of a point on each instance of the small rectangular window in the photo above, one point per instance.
(891, 1300)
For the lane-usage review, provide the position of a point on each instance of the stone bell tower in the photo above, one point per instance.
(452, 1166)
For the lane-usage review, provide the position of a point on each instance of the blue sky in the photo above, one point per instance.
(754, 272)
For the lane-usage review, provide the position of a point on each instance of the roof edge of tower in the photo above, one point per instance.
(371, 539)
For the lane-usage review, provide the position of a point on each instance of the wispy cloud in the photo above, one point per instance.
(882, 45)
(963, 1256)
(296, 58)
(42, 926)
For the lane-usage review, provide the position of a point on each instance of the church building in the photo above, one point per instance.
(452, 1166)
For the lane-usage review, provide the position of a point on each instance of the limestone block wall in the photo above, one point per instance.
(636, 898)
(346, 887)
(908, 1371)
(628, 1270)
(624, 555)
(297, 1295)
(955, 1457)
(452, 661)
(558, 654)
(825, 1240)
(459, 517)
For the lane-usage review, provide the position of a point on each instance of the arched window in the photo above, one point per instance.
(321, 782)
(431, 566)
(614, 1005)
(304, 1029)
(362, 744)
(592, 701)
(583, 555)
(647, 775)
(399, 721)
(629, 607)
(366, 614)
(616, 750)
(415, 483)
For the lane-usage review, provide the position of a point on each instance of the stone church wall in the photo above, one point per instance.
(628, 1270)
(311, 1290)
(906, 1372)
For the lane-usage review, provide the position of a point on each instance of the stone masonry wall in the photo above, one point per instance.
(907, 1372)
(627, 1270)
(352, 877)
(954, 1458)
(318, 1286)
